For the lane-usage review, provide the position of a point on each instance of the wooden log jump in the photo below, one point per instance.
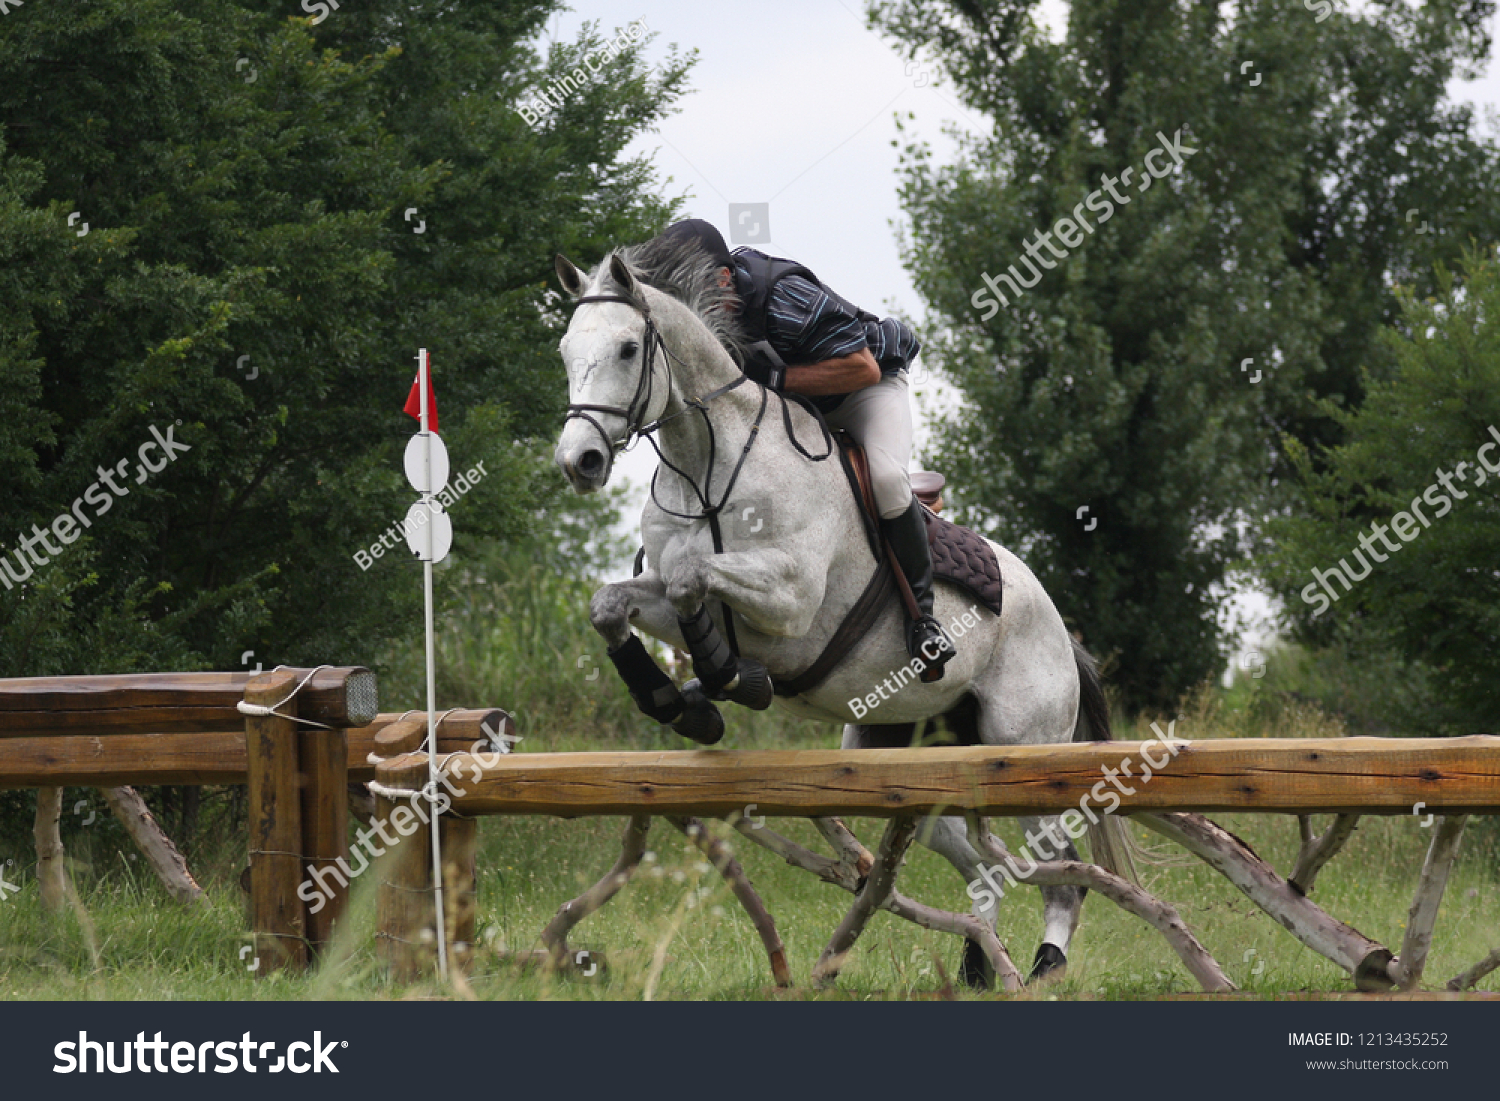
(115, 732)
(294, 754)
(1163, 782)
(1272, 775)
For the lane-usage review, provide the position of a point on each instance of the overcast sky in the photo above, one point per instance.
(793, 104)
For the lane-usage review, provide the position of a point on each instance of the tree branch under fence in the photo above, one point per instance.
(632, 848)
(965, 925)
(825, 868)
(1130, 898)
(898, 836)
(722, 858)
(1365, 959)
(51, 874)
(1477, 972)
(845, 874)
(1317, 850)
(850, 849)
(1407, 967)
(160, 853)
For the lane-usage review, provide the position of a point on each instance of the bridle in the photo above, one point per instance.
(641, 402)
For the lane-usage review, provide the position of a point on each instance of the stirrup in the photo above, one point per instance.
(928, 643)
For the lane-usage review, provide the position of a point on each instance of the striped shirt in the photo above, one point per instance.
(806, 324)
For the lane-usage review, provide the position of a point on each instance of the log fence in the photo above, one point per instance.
(306, 737)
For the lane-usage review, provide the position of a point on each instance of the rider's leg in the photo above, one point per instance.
(880, 418)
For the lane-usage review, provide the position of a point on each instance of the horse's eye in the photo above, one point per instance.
(628, 349)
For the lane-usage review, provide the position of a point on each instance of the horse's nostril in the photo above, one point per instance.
(591, 464)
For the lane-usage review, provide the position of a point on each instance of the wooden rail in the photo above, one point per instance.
(1291, 775)
(79, 758)
(170, 702)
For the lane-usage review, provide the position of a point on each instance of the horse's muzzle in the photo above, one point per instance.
(586, 466)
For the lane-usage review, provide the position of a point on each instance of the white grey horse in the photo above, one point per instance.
(795, 557)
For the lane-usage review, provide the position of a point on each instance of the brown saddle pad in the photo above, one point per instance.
(964, 558)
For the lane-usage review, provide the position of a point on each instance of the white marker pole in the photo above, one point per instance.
(432, 765)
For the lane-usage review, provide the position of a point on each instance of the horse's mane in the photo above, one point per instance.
(679, 267)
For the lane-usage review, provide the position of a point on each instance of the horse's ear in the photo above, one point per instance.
(568, 275)
(624, 278)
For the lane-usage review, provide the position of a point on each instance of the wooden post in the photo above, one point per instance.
(406, 914)
(405, 937)
(278, 921)
(323, 756)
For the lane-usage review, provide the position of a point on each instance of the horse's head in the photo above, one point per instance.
(617, 379)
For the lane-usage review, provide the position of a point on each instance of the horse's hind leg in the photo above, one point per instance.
(1061, 906)
(948, 838)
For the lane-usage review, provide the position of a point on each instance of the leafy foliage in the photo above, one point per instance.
(1116, 382)
(1437, 598)
(251, 280)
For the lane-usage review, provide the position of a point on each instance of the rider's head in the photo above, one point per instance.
(706, 237)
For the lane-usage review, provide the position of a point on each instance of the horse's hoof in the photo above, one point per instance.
(973, 969)
(754, 689)
(700, 721)
(1051, 963)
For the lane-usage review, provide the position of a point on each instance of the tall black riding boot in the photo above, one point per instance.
(926, 641)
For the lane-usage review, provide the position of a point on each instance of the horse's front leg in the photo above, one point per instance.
(766, 587)
(642, 599)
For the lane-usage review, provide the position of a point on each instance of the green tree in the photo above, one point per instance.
(1437, 598)
(1119, 382)
(247, 179)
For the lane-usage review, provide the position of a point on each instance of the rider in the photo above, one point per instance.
(852, 366)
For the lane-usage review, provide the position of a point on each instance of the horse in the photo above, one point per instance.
(650, 352)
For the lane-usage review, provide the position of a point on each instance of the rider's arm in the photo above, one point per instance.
(842, 375)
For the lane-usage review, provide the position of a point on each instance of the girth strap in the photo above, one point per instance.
(855, 626)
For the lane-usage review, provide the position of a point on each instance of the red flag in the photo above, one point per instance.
(414, 399)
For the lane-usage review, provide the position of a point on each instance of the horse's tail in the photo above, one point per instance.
(1109, 842)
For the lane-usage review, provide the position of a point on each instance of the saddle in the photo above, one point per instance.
(959, 556)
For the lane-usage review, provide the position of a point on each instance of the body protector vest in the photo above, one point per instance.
(755, 277)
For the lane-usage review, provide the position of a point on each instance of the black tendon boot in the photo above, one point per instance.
(926, 641)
